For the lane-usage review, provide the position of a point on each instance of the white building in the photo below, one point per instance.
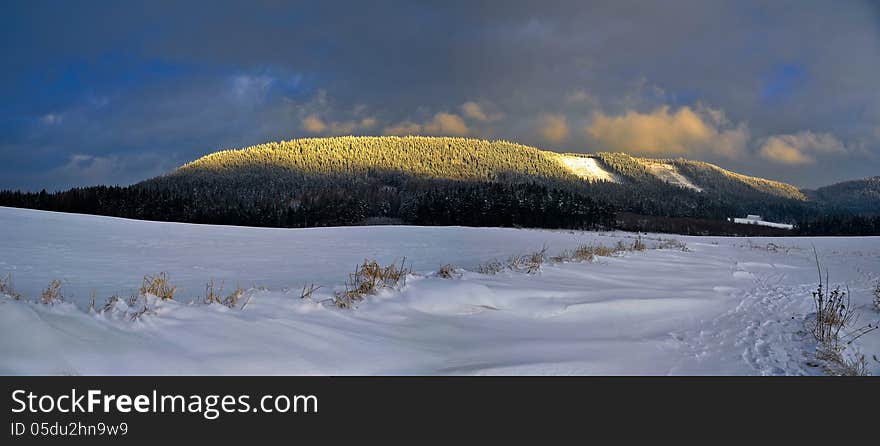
(756, 220)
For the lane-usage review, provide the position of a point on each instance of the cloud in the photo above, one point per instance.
(313, 124)
(88, 170)
(442, 124)
(368, 123)
(403, 129)
(475, 111)
(581, 96)
(191, 90)
(800, 148)
(251, 87)
(686, 131)
(51, 118)
(447, 124)
(554, 128)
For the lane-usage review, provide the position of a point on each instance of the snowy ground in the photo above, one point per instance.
(726, 306)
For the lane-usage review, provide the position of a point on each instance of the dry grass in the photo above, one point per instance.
(529, 263)
(671, 243)
(877, 296)
(215, 296)
(142, 309)
(604, 251)
(212, 296)
(232, 299)
(448, 271)
(158, 286)
(834, 327)
(368, 278)
(110, 304)
(836, 364)
(639, 245)
(307, 291)
(92, 297)
(7, 288)
(491, 267)
(589, 253)
(52, 293)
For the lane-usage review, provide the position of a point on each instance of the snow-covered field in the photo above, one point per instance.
(724, 306)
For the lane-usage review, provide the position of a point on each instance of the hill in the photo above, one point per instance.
(431, 181)
(856, 196)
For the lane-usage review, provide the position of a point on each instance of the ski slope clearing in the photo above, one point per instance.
(722, 306)
(668, 172)
(587, 168)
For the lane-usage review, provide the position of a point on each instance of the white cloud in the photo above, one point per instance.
(800, 148)
(686, 131)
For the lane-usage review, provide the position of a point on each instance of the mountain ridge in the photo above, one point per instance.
(462, 181)
(476, 159)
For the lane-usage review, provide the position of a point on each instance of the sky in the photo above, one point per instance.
(112, 92)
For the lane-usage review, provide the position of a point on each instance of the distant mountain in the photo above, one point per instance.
(856, 196)
(437, 181)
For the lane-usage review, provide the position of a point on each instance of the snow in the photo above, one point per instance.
(670, 174)
(756, 220)
(587, 168)
(725, 306)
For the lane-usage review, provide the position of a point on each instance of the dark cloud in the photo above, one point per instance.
(118, 91)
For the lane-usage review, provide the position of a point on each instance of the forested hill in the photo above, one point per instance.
(430, 181)
(856, 196)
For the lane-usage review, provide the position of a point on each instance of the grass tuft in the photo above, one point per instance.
(52, 294)
(834, 327)
(307, 291)
(158, 286)
(448, 271)
(215, 296)
(368, 278)
(7, 288)
(877, 296)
